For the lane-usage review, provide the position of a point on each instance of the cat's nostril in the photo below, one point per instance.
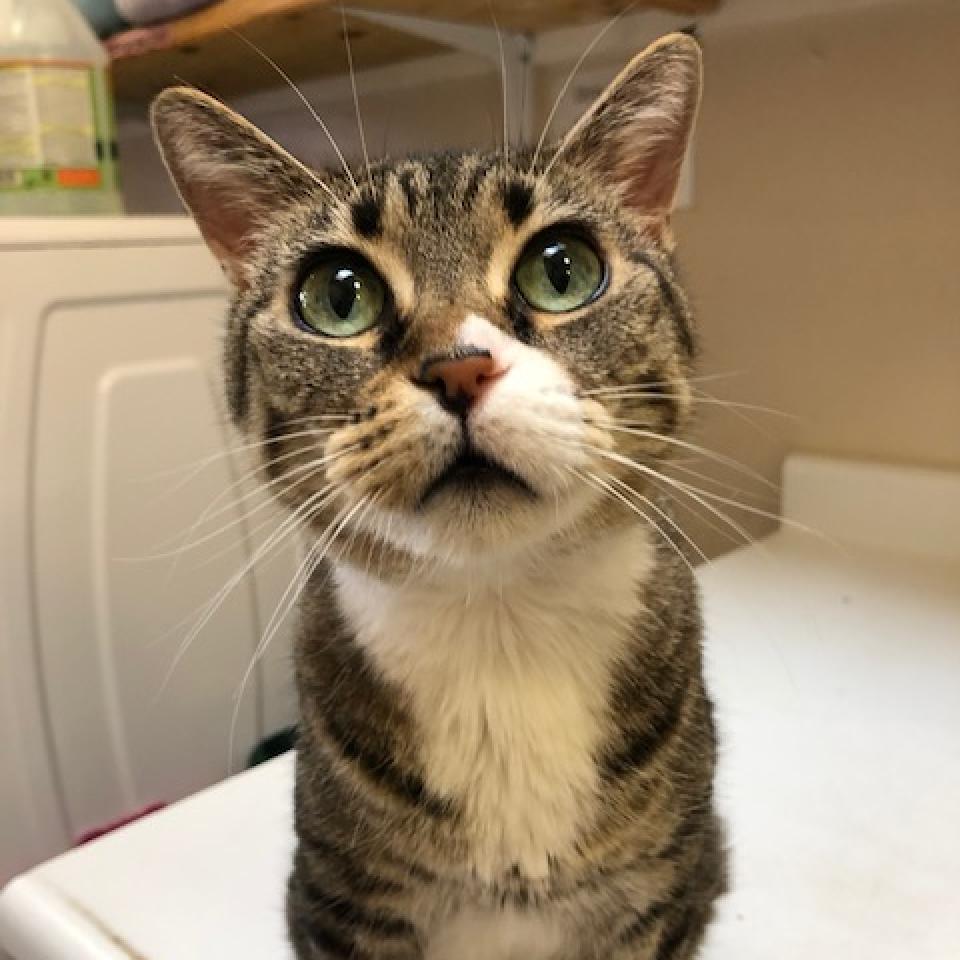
(459, 379)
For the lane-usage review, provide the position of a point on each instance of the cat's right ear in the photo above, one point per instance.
(635, 135)
(230, 176)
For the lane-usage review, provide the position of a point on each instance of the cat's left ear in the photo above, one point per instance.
(230, 176)
(635, 135)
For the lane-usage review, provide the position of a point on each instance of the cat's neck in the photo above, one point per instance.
(502, 671)
(595, 581)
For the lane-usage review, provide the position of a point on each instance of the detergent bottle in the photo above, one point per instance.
(57, 133)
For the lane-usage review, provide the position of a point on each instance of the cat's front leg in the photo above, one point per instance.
(671, 924)
(673, 934)
(330, 918)
(324, 933)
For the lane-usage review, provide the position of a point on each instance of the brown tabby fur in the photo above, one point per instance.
(384, 860)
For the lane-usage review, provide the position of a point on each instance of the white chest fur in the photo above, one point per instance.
(508, 680)
(497, 935)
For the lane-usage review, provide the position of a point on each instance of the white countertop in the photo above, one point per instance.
(837, 675)
(838, 683)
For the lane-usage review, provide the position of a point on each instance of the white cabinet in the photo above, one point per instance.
(113, 442)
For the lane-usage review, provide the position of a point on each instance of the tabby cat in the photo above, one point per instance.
(464, 373)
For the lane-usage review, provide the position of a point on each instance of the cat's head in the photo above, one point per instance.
(459, 354)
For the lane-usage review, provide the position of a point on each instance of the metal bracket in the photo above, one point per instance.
(517, 58)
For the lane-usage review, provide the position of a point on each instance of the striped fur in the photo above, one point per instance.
(506, 749)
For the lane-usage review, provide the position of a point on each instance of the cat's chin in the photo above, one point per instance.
(476, 482)
(483, 518)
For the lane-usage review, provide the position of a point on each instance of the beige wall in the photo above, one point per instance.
(823, 245)
(461, 110)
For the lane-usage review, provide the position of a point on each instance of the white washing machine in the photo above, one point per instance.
(112, 444)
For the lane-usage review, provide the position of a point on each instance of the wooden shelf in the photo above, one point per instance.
(305, 37)
(532, 15)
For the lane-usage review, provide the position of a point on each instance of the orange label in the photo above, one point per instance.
(78, 177)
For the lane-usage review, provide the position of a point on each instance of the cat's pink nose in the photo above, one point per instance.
(460, 379)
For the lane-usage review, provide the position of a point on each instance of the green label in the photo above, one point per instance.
(53, 128)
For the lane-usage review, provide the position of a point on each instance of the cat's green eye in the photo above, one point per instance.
(558, 272)
(340, 295)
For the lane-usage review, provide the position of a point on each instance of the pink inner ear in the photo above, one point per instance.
(651, 178)
(226, 222)
(636, 134)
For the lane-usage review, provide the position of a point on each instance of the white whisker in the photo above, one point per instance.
(311, 505)
(246, 477)
(185, 543)
(603, 485)
(676, 484)
(503, 84)
(706, 378)
(252, 533)
(356, 98)
(196, 467)
(242, 519)
(571, 76)
(758, 512)
(675, 465)
(699, 450)
(695, 493)
(666, 516)
(268, 485)
(315, 417)
(385, 543)
(700, 398)
(287, 600)
(313, 113)
(701, 516)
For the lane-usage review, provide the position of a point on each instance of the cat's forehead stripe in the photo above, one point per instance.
(367, 216)
(518, 201)
(407, 181)
(474, 180)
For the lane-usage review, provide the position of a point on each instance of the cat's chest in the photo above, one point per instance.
(509, 689)
(476, 934)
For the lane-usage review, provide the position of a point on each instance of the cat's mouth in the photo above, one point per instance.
(472, 472)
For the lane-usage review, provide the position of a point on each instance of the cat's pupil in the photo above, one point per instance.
(558, 266)
(344, 291)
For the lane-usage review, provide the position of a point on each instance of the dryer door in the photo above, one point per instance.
(143, 512)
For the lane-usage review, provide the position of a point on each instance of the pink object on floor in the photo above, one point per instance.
(117, 824)
(132, 43)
